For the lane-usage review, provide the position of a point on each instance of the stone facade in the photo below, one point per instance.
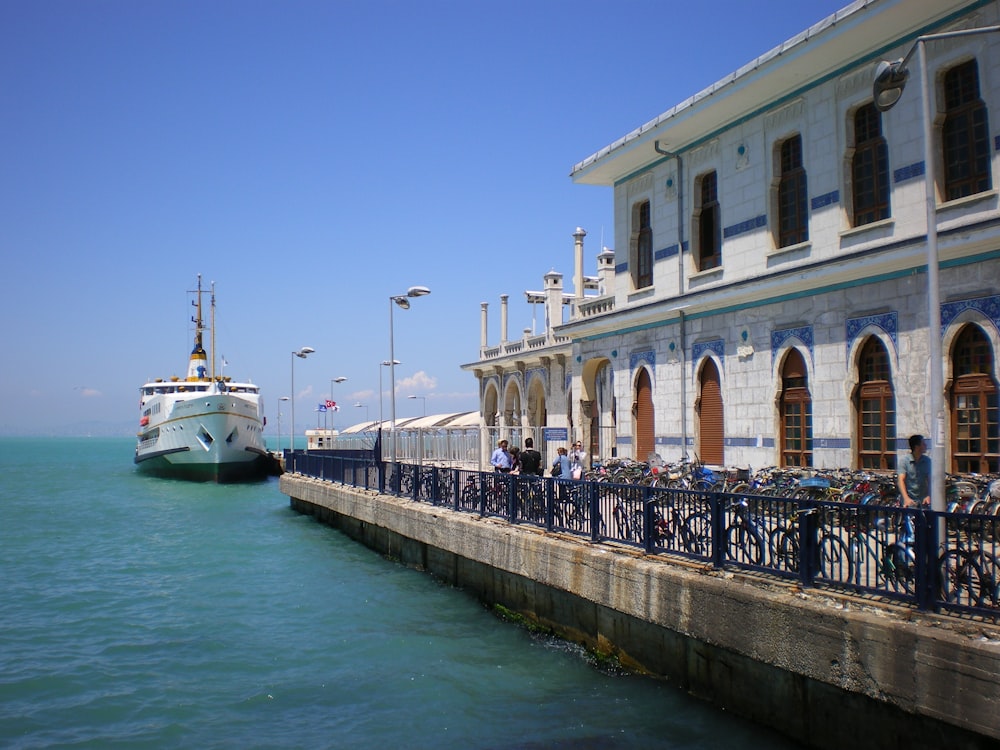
(628, 368)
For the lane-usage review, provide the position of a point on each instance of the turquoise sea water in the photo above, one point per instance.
(150, 613)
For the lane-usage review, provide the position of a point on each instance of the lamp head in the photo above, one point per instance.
(890, 79)
(387, 363)
(341, 379)
(402, 302)
(417, 291)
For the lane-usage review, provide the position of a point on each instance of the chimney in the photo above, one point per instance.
(578, 236)
(482, 325)
(553, 301)
(606, 272)
(503, 318)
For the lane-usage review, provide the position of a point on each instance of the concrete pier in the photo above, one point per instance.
(825, 670)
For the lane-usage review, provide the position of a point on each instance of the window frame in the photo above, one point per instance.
(791, 193)
(870, 185)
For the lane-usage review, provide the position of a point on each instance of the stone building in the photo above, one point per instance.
(768, 299)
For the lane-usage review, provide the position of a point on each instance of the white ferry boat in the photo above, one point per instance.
(203, 427)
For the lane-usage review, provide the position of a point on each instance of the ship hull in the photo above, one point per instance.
(211, 437)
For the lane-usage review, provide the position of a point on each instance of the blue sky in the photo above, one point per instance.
(313, 158)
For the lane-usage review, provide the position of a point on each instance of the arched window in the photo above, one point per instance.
(876, 409)
(642, 231)
(796, 412)
(793, 213)
(974, 410)
(965, 135)
(869, 168)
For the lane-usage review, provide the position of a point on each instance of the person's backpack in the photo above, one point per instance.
(556, 469)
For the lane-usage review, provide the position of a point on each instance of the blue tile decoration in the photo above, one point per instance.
(621, 267)
(802, 333)
(536, 372)
(908, 172)
(837, 443)
(515, 376)
(648, 356)
(826, 199)
(716, 346)
(988, 306)
(669, 252)
(886, 321)
(745, 226)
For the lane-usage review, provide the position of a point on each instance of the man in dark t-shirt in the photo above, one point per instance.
(531, 460)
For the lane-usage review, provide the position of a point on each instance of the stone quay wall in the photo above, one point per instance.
(827, 671)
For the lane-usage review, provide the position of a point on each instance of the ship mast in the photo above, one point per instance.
(213, 333)
(196, 365)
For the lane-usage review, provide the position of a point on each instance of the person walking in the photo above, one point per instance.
(576, 458)
(914, 478)
(500, 460)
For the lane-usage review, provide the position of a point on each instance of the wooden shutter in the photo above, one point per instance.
(711, 426)
(644, 440)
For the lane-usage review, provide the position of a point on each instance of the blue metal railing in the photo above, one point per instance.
(936, 561)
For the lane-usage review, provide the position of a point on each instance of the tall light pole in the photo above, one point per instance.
(340, 379)
(424, 400)
(890, 79)
(283, 398)
(302, 353)
(403, 300)
(359, 405)
(385, 363)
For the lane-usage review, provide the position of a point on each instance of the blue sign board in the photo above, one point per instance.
(555, 434)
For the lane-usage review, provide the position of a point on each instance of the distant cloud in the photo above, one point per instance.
(87, 392)
(306, 392)
(419, 381)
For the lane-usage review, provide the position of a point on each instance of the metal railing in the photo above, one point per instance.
(935, 561)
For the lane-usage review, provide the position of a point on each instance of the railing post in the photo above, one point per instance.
(455, 500)
(647, 519)
(808, 545)
(511, 480)
(593, 498)
(718, 508)
(925, 546)
(550, 505)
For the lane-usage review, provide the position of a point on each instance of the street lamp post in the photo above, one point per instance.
(385, 363)
(283, 398)
(403, 300)
(340, 379)
(890, 79)
(423, 400)
(302, 353)
(359, 405)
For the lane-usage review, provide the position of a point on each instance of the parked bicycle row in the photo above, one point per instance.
(966, 493)
(948, 561)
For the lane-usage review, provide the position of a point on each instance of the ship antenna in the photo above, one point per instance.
(213, 331)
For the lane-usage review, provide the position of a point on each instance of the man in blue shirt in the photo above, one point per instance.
(914, 478)
(501, 458)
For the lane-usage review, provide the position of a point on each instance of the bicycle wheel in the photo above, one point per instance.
(834, 559)
(961, 580)
(783, 546)
(742, 545)
(696, 533)
(897, 569)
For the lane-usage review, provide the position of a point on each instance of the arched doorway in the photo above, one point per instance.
(645, 442)
(711, 421)
(975, 415)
